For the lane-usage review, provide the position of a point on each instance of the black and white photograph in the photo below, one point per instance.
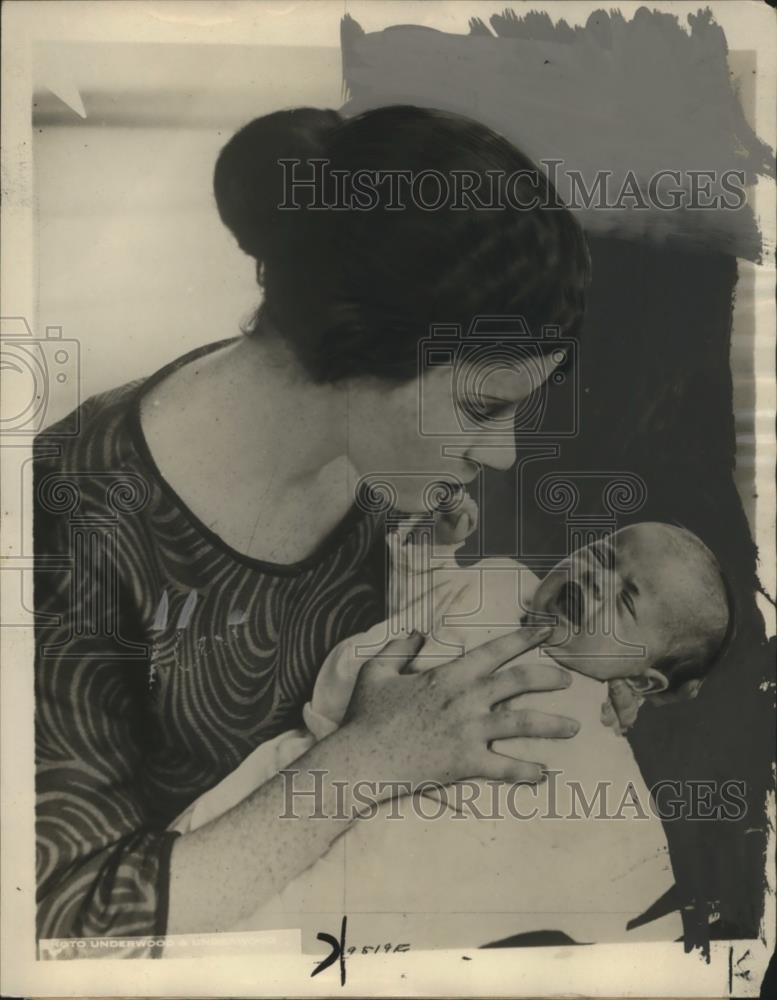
(388, 457)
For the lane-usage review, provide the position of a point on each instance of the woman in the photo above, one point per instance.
(224, 555)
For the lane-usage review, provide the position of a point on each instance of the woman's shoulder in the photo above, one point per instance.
(104, 431)
(93, 437)
(86, 466)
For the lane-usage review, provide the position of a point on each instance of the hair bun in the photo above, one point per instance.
(248, 179)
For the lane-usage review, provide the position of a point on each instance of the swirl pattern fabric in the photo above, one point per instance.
(163, 658)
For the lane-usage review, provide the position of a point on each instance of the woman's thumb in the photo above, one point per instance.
(397, 653)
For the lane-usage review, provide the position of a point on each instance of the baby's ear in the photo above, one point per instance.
(687, 690)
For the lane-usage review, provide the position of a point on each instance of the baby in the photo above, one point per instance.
(647, 605)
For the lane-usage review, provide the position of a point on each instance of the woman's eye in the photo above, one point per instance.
(495, 413)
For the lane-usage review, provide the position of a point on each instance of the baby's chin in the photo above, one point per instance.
(595, 667)
(566, 648)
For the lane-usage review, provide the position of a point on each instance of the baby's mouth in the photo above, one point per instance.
(570, 603)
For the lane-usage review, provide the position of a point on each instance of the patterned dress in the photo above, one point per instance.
(163, 657)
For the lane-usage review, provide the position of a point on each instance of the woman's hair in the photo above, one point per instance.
(355, 288)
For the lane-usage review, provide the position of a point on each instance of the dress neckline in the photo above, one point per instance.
(324, 547)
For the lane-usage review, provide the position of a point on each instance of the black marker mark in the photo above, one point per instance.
(338, 952)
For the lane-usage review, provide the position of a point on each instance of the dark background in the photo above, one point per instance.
(654, 360)
(654, 380)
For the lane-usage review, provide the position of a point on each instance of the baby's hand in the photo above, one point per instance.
(457, 525)
(620, 710)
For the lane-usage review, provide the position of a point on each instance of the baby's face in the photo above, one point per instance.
(612, 601)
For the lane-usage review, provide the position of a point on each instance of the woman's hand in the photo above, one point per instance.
(438, 725)
(400, 727)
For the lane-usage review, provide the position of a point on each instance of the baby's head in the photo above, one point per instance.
(648, 604)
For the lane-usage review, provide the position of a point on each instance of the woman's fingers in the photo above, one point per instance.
(520, 678)
(396, 654)
(497, 767)
(504, 723)
(491, 655)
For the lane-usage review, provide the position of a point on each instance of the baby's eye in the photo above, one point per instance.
(628, 601)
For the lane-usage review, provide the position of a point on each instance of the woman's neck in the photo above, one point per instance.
(253, 407)
(254, 448)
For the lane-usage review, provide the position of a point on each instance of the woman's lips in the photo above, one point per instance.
(469, 471)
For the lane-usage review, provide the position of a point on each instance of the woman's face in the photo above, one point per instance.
(415, 441)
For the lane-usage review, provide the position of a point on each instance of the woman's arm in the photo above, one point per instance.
(258, 767)
(101, 865)
(221, 872)
(402, 728)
